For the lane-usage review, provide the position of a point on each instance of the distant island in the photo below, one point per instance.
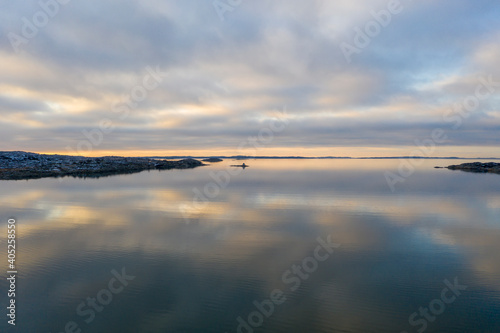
(477, 167)
(18, 165)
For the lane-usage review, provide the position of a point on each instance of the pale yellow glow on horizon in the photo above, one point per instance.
(444, 151)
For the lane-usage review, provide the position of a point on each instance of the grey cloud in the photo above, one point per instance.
(14, 105)
(265, 56)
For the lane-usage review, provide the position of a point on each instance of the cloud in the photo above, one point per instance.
(223, 75)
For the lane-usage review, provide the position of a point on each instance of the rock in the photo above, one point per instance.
(241, 166)
(212, 160)
(477, 167)
(22, 165)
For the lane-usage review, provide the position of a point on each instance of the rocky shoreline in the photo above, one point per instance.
(18, 165)
(477, 167)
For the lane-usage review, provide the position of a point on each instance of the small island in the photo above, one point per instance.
(241, 166)
(213, 160)
(18, 165)
(477, 167)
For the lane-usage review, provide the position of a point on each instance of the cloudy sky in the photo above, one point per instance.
(315, 77)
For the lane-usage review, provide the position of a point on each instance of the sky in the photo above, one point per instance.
(260, 77)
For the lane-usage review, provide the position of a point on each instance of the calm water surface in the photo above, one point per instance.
(213, 258)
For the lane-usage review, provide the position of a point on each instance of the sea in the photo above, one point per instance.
(289, 245)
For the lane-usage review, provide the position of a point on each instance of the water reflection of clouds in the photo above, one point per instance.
(480, 246)
(253, 231)
(249, 204)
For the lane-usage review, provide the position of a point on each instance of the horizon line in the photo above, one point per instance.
(271, 156)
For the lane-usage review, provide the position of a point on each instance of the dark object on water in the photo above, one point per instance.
(477, 167)
(241, 166)
(212, 160)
